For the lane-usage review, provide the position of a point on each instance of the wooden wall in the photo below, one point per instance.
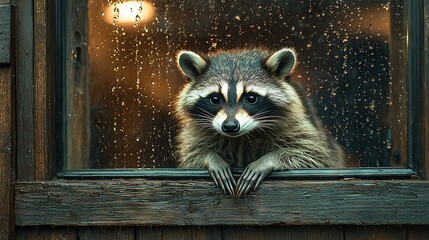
(6, 122)
(229, 233)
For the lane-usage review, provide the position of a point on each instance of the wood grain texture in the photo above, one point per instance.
(6, 161)
(139, 201)
(396, 117)
(374, 233)
(46, 233)
(5, 34)
(418, 233)
(178, 232)
(25, 90)
(312, 232)
(425, 91)
(146, 233)
(283, 232)
(77, 136)
(42, 121)
(107, 233)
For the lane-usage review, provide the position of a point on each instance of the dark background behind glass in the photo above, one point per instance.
(352, 63)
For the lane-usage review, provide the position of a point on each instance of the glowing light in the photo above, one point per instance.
(129, 13)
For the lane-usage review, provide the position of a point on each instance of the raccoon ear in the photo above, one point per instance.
(191, 64)
(281, 62)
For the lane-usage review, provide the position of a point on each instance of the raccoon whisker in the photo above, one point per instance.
(204, 118)
(207, 115)
(264, 115)
(267, 120)
(204, 123)
(268, 127)
(205, 111)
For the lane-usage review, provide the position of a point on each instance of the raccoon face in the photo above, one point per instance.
(235, 93)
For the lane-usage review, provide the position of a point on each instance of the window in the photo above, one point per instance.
(121, 78)
(40, 199)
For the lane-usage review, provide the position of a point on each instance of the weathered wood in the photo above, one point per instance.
(416, 78)
(46, 233)
(5, 33)
(42, 122)
(417, 232)
(6, 160)
(243, 232)
(207, 233)
(24, 90)
(105, 233)
(283, 232)
(425, 91)
(396, 116)
(375, 232)
(178, 232)
(153, 233)
(77, 137)
(139, 201)
(173, 233)
(181, 173)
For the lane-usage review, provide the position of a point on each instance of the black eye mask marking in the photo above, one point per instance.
(260, 106)
(207, 106)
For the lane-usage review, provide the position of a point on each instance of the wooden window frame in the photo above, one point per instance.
(47, 195)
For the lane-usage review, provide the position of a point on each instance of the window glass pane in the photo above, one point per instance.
(352, 64)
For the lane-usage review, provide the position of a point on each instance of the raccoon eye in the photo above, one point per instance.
(215, 100)
(251, 98)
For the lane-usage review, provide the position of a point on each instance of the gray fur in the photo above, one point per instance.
(292, 141)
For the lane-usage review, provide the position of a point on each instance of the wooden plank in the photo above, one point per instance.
(417, 232)
(107, 233)
(46, 233)
(284, 232)
(374, 233)
(305, 232)
(293, 174)
(206, 232)
(415, 75)
(42, 121)
(243, 232)
(395, 111)
(77, 137)
(139, 201)
(173, 233)
(6, 160)
(24, 90)
(152, 233)
(5, 34)
(178, 232)
(425, 91)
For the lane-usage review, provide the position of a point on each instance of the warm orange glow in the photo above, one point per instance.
(129, 13)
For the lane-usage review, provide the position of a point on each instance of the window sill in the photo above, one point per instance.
(309, 174)
(199, 202)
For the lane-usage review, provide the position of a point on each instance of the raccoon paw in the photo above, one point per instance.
(251, 177)
(222, 177)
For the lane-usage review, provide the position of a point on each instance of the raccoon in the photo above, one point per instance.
(241, 109)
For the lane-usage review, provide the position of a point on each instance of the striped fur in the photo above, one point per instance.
(291, 136)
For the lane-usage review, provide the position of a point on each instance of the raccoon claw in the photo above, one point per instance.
(251, 177)
(223, 179)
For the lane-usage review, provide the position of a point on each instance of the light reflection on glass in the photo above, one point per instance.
(128, 13)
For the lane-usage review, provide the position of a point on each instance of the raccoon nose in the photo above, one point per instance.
(231, 126)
